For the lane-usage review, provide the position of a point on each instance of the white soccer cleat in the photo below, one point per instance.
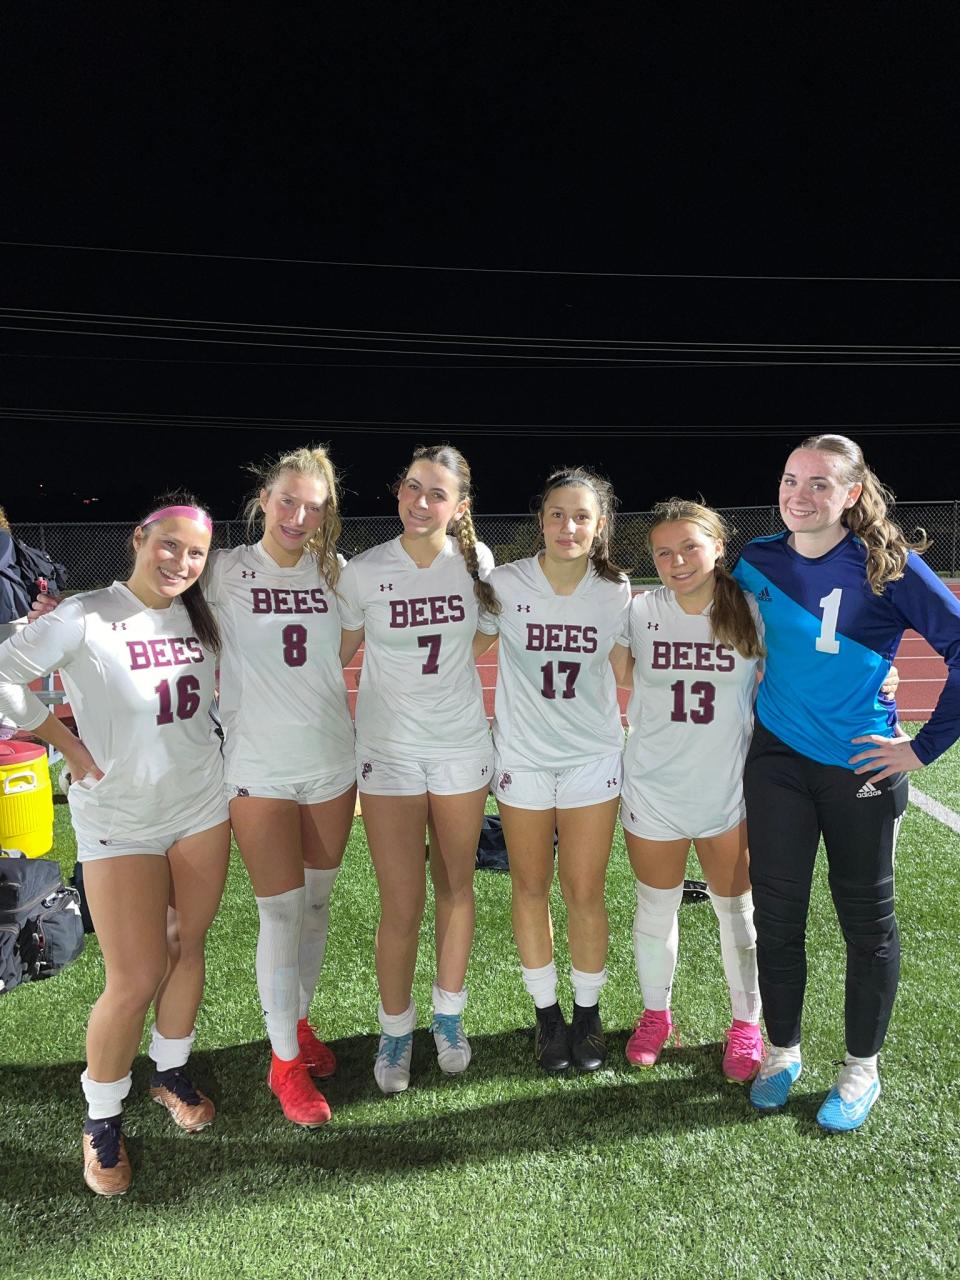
(453, 1047)
(391, 1069)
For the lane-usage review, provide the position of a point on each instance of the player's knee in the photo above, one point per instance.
(530, 887)
(583, 896)
(131, 990)
(873, 942)
(402, 915)
(656, 910)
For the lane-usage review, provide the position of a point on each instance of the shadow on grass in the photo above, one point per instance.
(252, 1152)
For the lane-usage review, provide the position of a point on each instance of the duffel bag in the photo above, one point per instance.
(41, 931)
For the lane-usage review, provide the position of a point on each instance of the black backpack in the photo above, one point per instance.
(41, 931)
(492, 848)
(35, 565)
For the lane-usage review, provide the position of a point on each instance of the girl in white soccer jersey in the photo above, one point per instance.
(289, 749)
(559, 746)
(424, 757)
(137, 661)
(696, 647)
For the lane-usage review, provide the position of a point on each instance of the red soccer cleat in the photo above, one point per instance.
(301, 1101)
(318, 1058)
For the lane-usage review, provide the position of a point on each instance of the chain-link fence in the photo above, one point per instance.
(96, 553)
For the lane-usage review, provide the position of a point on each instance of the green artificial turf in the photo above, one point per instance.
(502, 1172)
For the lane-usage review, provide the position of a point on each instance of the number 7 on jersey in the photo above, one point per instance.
(432, 644)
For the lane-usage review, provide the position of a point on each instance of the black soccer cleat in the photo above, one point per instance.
(551, 1044)
(588, 1046)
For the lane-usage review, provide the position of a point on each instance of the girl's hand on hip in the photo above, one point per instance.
(889, 755)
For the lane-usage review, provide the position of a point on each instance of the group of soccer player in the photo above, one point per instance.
(756, 703)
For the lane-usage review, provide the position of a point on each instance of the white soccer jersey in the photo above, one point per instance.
(419, 693)
(690, 713)
(556, 699)
(283, 701)
(140, 685)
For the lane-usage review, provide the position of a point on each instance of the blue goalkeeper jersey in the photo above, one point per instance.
(830, 643)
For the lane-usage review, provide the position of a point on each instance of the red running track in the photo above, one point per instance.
(922, 676)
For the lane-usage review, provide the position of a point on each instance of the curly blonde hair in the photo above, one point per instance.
(313, 461)
(886, 544)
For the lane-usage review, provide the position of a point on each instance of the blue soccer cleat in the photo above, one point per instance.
(771, 1088)
(850, 1100)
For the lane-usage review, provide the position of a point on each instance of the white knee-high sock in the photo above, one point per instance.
(318, 885)
(541, 984)
(278, 976)
(167, 1054)
(738, 947)
(655, 942)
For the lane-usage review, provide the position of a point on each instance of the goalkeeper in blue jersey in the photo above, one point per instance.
(836, 591)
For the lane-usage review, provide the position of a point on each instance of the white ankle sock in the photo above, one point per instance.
(166, 1053)
(777, 1058)
(104, 1097)
(278, 976)
(738, 947)
(318, 885)
(587, 986)
(655, 942)
(856, 1076)
(449, 1001)
(397, 1024)
(541, 984)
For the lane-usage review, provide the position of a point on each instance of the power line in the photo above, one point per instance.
(388, 426)
(509, 271)
(326, 364)
(122, 319)
(636, 361)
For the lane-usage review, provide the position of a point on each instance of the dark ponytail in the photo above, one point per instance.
(602, 490)
(194, 601)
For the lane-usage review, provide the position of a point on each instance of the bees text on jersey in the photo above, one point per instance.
(556, 699)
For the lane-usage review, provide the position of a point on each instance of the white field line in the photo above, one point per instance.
(934, 808)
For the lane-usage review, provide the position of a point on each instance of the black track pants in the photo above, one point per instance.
(790, 801)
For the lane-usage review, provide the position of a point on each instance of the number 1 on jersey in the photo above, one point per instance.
(827, 641)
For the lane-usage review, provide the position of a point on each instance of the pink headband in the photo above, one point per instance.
(191, 513)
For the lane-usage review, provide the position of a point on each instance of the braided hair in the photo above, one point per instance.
(462, 528)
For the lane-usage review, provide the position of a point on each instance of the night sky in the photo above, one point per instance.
(612, 175)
